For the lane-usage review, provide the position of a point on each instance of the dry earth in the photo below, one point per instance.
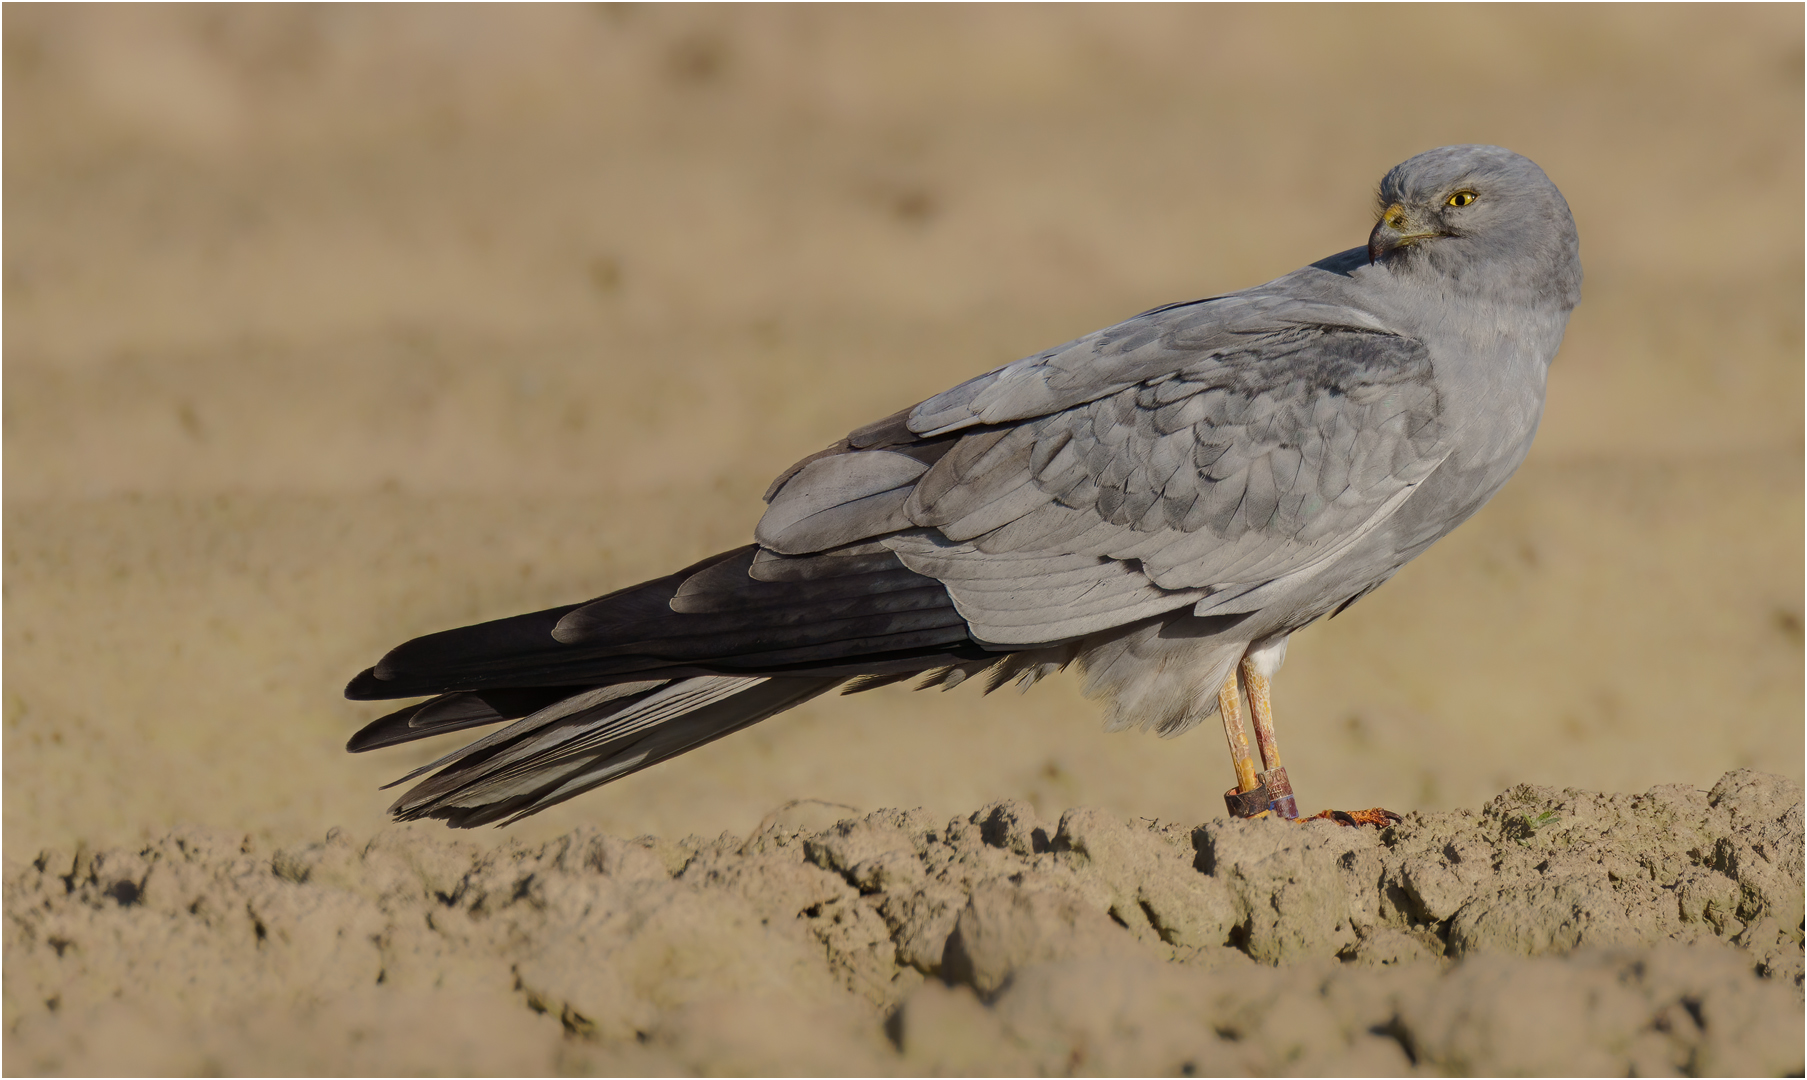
(1549, 933)
(330, 325)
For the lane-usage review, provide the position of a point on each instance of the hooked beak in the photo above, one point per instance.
(1395, 230)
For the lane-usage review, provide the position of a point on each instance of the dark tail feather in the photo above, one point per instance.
(605, 688)
(840, 615)
(873, 681)
(582, 742)
(455, 712)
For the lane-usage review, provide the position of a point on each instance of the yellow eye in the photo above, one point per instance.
(1462, 198)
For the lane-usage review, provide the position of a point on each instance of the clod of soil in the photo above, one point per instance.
(1550, 932)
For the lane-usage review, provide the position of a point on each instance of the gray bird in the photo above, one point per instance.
(1163, 502)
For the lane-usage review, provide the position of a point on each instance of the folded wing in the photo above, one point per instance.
(1192, 456)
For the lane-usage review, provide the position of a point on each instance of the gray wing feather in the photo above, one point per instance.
(1299, 436)
(1121, 356)
(1191, 456)
(1024, 598)
(840, 499)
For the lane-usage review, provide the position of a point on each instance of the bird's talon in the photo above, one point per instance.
(1377, 817)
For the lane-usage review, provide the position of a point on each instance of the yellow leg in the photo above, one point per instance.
(1261, 705)
(1261, 708)
(1229, 703)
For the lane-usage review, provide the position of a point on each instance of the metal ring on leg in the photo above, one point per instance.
(1280, 793)
(1247, 804)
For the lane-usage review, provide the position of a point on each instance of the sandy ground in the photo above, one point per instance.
(326, 327)
(1561, 933)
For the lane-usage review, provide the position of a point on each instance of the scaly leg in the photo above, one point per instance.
(1258, 668)
(1248, 798)
(1261, 707)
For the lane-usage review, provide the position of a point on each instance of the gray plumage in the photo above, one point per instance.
(1152, 500)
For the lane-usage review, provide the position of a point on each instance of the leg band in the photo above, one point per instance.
(1280, 792)
(1247, 804)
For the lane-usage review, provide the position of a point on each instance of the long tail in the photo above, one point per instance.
(603, 689)
(589, 739)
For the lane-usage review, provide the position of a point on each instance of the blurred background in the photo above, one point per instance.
(329, 326)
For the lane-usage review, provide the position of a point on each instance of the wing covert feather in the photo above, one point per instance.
(1193, 454)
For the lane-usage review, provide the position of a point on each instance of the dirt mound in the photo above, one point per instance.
(1550, 932)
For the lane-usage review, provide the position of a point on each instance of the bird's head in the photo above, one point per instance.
(1458, 209)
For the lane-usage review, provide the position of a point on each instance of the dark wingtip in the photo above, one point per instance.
(365, 686)
(384, 731)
